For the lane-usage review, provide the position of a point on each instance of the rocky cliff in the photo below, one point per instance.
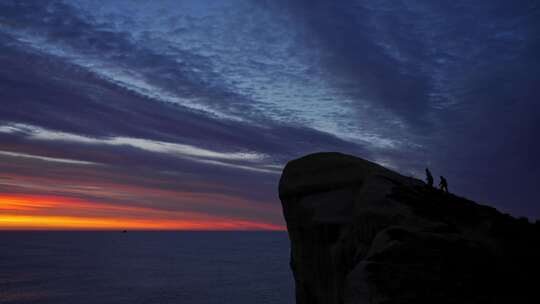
(361, 233)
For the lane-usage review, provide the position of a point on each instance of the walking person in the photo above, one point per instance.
(429, 178)
(443, 184)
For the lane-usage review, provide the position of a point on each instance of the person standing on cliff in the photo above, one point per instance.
(429, 178)
(443, 184)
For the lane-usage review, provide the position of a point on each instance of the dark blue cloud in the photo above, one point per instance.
(460, 76)
(447, 85)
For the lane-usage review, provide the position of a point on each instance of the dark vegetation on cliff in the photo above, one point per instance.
(361, 233)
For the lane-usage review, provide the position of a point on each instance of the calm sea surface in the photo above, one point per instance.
(145, 267)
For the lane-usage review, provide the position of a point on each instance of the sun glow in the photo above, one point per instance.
(44, 222)
(22, 212)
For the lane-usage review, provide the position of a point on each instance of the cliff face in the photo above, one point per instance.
(361, 233)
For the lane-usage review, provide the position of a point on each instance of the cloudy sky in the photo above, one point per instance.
(181, 114)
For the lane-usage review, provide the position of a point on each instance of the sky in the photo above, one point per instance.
(181, 114)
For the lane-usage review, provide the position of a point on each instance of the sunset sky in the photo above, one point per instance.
(181, 114)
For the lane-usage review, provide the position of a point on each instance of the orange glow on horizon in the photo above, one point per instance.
(28, 222)
(27, 212)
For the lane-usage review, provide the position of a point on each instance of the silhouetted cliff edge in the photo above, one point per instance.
(361, 233)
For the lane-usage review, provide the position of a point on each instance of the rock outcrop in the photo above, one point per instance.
(361, 233)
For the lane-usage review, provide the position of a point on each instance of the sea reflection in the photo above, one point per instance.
(144, 267)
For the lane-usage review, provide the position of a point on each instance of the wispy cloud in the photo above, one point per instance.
(252, 160)
(49, 159)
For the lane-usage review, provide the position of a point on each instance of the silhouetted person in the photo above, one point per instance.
(429, 178)
(443, 184)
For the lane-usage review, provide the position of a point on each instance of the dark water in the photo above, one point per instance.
(145, 267)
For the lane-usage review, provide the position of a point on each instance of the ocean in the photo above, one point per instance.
(145, 267)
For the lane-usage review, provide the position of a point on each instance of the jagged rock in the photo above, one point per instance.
(361, 233)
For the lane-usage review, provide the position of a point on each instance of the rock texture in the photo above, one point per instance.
(361, 233)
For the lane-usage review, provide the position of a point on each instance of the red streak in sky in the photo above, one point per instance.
(31, 212)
